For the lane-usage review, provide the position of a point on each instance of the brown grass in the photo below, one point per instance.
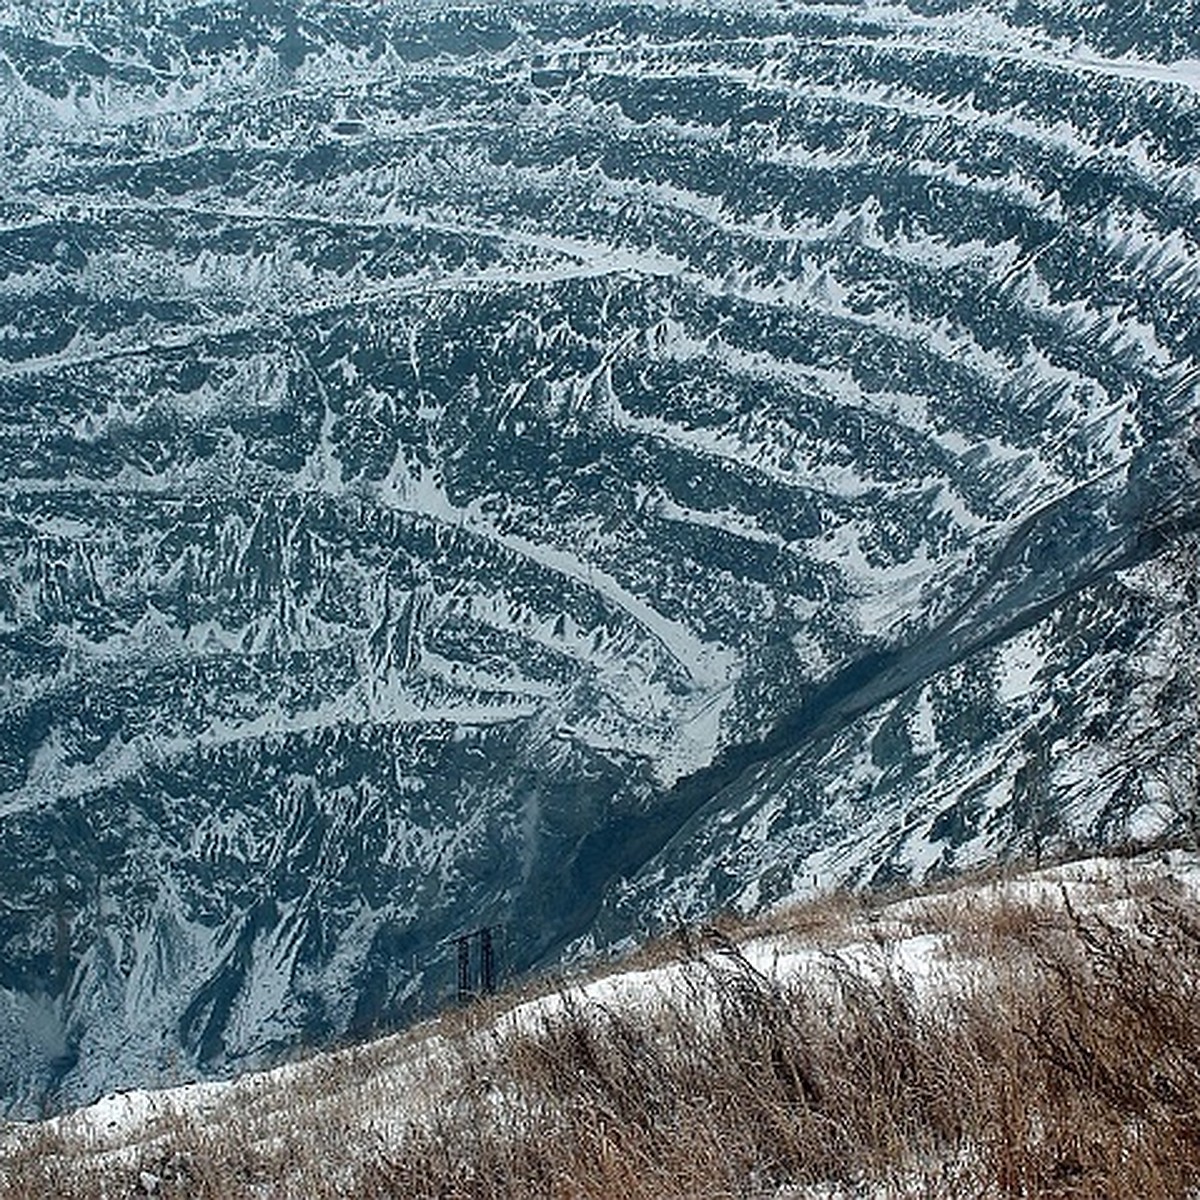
(1070, 1067)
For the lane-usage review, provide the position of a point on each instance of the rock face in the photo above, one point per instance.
(557, 467)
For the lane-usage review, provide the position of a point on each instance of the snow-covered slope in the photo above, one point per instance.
(548, 466)
(936, 945)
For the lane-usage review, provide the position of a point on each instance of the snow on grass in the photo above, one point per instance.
(935, 946)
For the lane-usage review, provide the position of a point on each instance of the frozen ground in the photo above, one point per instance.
(404, 1081)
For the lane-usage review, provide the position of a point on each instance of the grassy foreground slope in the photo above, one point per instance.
(1028, 1035)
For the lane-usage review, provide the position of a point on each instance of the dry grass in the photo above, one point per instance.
(1069, 1068)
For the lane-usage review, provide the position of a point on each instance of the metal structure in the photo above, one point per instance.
(475, 983)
